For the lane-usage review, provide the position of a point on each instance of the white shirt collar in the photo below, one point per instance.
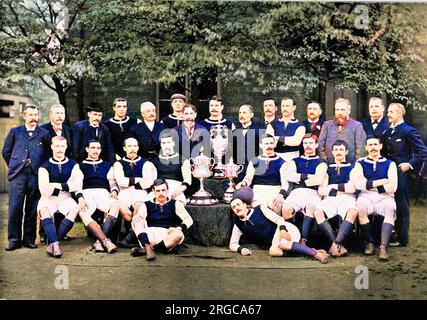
(400, 122)
(379, 120)
(150, 125)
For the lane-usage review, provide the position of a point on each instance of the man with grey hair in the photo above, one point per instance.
(342, 128)
(376, 124)
(147, 132)
(404, 146)
(56, 126)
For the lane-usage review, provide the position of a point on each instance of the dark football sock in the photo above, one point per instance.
(386, 230)
(65, 226)
(307, 225)
(50, 230)
(300, 248)
(344, 230)
(327, 230)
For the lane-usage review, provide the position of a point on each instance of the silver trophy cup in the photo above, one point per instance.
(201, 167)
(231, 171)
(219, 146)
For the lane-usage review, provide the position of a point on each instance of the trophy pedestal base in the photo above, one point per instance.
(202, 198)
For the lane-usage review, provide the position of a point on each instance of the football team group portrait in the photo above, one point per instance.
(210, 149)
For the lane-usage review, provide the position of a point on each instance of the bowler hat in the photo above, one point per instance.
(94, 106)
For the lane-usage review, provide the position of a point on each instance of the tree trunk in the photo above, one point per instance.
(59, 88)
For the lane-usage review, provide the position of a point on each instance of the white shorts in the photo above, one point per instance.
(292, 230)
(377, 202)
(173, 185)
(98, 198)
(265, 194)
(301, 198)
(340, 205)
(157, 234)
(288, 156)
(62, 203)
(129, 196)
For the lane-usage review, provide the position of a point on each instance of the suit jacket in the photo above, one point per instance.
(318, 128)
(246, 147)
(352, 133)
(149, 141)
(404, 145)
(201, 136)
(66, 133)
(379, 130)
(83, 133)
(19, 146)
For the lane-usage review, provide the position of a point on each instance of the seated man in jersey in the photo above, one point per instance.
(169, 167)
(160, 223)
(100, 191)
(376, 177)
(304, 175)
(265, 174)
(265, 228)
(339, 199)
(58, 178)
(135, 177)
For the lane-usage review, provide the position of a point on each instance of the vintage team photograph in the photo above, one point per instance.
(218, 150)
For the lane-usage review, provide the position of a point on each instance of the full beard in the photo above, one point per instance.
(341, 121)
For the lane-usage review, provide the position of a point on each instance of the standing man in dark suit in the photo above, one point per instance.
(191, 135)
(147, 132)
(376, 124)
(245, 139)
(25, 148)
(403, 145)
(92, 129)
(56, 126)
(314, 122)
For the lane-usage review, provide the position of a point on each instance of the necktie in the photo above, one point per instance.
(375, 124)
(30, 132)
(313, 126)
(58, 130)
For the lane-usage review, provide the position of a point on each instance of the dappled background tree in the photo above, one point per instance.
(275, 46)
(36, 41)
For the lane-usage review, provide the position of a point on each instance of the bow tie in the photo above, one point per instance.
(375, 122)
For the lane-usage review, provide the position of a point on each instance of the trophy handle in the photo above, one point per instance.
(192, 165)
(240, 169)
(211, 163)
